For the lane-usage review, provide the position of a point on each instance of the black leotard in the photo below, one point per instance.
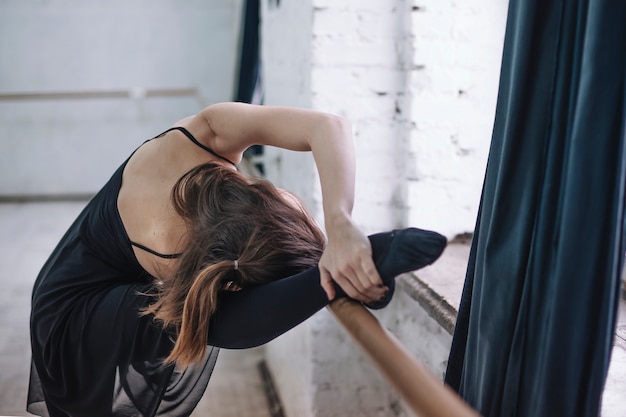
(94, 355)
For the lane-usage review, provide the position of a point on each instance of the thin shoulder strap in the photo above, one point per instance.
(194, 140)
(160, 255)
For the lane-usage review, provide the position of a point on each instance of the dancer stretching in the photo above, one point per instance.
(179, 254)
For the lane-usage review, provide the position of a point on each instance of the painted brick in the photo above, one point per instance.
(328, 51)
(418, 81)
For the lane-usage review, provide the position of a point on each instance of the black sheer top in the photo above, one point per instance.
(92, 353)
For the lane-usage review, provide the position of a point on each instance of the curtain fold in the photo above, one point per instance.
(249, 89)
(537, 316)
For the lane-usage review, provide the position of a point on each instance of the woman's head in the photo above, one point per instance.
(229, 218)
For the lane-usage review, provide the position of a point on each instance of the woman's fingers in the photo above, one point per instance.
(326, 282)
(369, 281)
(368, 272)
(358, 286)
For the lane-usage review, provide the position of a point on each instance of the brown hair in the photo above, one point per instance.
(229, 218)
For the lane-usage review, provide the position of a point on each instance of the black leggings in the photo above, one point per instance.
(256, 315)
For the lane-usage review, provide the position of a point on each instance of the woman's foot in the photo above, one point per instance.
(402, 251)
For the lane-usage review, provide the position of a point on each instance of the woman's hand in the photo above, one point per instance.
(348, 261)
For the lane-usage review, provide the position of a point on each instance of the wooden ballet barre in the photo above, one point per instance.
(427, 396)
(132, 93)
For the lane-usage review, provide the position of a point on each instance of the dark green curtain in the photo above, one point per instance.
(538, 312)
(249, 76)
(249, 83)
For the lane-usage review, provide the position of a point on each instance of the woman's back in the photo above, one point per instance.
(145, 203)
(87, 335)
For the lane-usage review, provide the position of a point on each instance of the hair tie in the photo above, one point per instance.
(236, 262)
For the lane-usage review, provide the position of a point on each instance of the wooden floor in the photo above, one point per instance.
(28, 233)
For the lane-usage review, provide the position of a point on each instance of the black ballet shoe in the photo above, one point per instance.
(402, 251)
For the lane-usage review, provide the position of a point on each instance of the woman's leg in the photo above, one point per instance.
(256, 315)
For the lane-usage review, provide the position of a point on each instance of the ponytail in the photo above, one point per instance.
(200, 304)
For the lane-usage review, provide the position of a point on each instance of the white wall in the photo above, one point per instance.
(286, 67)
(453, 76)
(358, 73)
(419, 81)
(72, 146)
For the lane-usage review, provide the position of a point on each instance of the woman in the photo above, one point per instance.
(179, 255)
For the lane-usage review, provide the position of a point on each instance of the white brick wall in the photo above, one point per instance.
(287, 82)
(418, 80)
(453, 78)
(357, 73)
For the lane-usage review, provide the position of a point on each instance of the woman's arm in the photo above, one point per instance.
(230, 128)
